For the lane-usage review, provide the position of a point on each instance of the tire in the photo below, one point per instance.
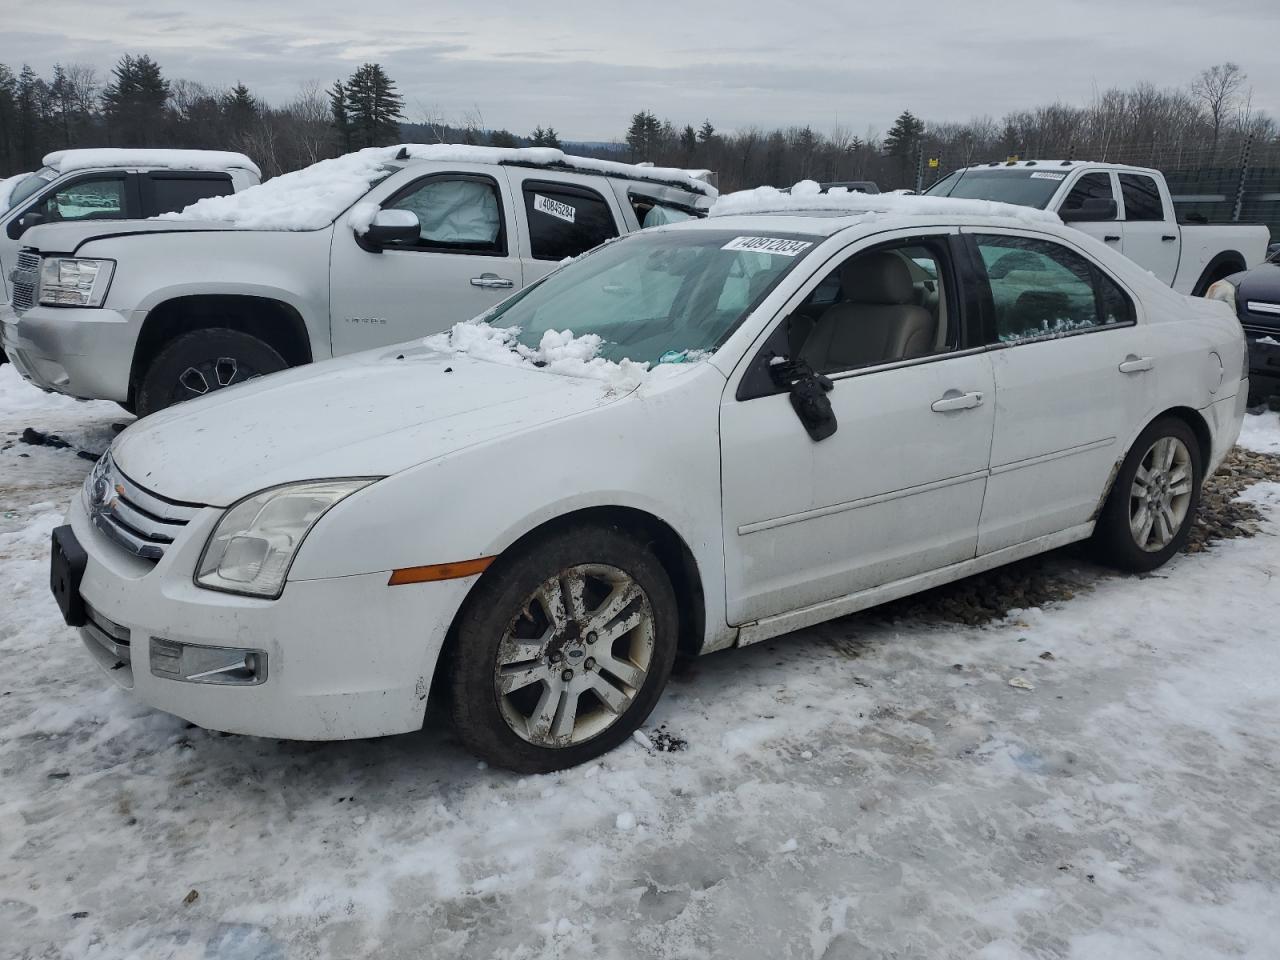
(1115, 538)
(511, 664)
(213, 358)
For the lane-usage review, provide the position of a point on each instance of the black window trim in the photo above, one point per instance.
(962, 306)
(149, 207)
(1164, 212)
(132, 197)
(987, 301)
(497, 250)
(580, 190)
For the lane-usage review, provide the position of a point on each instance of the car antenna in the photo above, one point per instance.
(403, 154)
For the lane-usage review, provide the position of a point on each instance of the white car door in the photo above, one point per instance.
(1150, 231)
(1073, 370)
(897, 489)
(465, 261)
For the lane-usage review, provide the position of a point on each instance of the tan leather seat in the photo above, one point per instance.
(876, 322)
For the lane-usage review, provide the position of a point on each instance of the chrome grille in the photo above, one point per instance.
(26, 276)
(141, 522)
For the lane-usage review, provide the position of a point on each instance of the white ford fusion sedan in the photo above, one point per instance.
(758, 422)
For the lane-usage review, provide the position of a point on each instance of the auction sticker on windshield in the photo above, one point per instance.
(774, 245)
(554, 208)
(1042, 175)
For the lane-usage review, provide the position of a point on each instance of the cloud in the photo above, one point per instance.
(584, 66)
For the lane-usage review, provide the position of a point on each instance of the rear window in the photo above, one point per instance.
(172, 194)
(565, 221)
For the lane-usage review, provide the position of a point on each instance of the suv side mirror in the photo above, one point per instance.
(1093, 210)
(393, 227)
(808, 395)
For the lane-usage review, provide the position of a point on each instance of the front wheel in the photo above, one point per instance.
(1149, 512)
(563, 651)
(201, 362)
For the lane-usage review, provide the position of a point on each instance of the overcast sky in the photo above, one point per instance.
(584, 66)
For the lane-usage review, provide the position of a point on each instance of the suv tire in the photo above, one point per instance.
(201, 362)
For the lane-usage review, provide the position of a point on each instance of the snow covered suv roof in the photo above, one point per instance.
(313, 197)
(65, 161)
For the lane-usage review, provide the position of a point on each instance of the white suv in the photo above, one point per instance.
(371, 248)
(757, 423)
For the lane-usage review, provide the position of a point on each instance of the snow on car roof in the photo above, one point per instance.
(311, 198)
(1051, 165)
(64, 161)
(6, 188)
(806, 197)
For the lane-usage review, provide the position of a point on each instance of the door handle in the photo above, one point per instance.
(1134, 364)
(1111, 238)
(1168, 238)
(955, 400)
(491, 281)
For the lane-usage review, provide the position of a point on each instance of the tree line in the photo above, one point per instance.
(1206, 123)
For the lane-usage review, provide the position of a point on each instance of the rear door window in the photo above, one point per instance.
(1041, 289)
(171, 193)
(565, 220)
(1141, 197)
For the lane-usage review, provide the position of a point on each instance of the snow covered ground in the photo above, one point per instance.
(861, 789)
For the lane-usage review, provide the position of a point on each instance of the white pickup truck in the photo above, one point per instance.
(1127, 208)
(113, 184)
(376, 247)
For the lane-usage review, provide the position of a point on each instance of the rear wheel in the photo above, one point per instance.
(1153, 503)
(201, 362)
(563, 651)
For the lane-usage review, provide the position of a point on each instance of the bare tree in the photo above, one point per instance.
(1218, 88)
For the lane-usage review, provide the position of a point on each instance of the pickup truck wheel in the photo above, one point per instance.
(1149, 511)
(563, 651)
(201, 362)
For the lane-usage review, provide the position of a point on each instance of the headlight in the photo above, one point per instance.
(253, 545)
(71, 282)
(1223, 290)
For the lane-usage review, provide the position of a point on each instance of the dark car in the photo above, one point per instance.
(1256, 297)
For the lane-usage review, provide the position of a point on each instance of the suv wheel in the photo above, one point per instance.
(563, 651)
(198, 363)
(1149, 511)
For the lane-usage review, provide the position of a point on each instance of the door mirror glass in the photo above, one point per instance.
(1092, 210)
(392, 227)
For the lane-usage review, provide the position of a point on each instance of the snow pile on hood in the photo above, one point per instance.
(806, 197)
(6, 188)
(64, 161)
(559, 351)
(313, 197)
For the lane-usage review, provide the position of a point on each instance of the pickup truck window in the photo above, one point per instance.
(564, 220)
(91, 199)
(170, 193)
(1092, 186)
(1041, 289)
(1025, 187)
(1141, 197)
(456, 213)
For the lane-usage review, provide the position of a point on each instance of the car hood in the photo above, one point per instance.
(69, 237)
(1261, 283)
(369, 414)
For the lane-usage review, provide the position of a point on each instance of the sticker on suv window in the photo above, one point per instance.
(554, 208)
(774, 245)
(1042, 175)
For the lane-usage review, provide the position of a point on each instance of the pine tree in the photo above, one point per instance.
(644, 136)
(134, 101)
(706, 132)
(688, 142)
(373, 107)
(502, 138)
(903, 136)
(338, 109)
(550, 138)
(31, 92)
(8, 121)
(240, 108)
(537, 137)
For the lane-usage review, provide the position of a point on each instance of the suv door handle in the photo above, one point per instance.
(1168, 238)
(491, 281)
(955, 400)
(1134, 364)
(1111, 238)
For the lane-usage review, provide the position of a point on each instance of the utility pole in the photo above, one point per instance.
(1244, 171)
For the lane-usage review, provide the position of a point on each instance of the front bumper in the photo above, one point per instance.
(82, 352)
(349, 657)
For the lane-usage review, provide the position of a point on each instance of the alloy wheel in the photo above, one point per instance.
(1161, 494)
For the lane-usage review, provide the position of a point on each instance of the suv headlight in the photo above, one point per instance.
(253, 545)
(1223, 290)
(74, 282)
